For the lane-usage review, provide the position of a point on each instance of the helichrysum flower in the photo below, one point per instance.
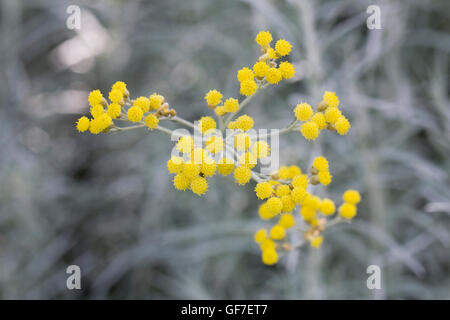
(208, 168)
(185, 144)
(263, 38)
(283, 47)
(287, 70)
(214, 144)
(312, 201)
(181, 182)
(320, 163)
(288, 203)
(263, 190)
(286, 221)
(351, 196)
(104, 121)
(242, 174)
(151, 121)
(300, 181)
(260, 69)
(245, 74)
(213, 98)
(342, 125)
(206, 123)
(327, 207)
(95, 126)
(332, 114)
(143, 103)
(115, 95)
(225, 166)
(231, 105)
(119, 85)
(97, 110)
(324, 177)
(261, 149)
(135, 114)
(269, 257)
(298, 194)
(248, 159)
(244, 123)
(347, 210)
(156, 101)
(319, 118)
(310, 130)
(274, 205)
(83, 124)
(199, 185)
(242, 141)
(175, 164)
(190, 170)
(316, 242)
(272, 53)
(95, 97)
(264, 212)
(273, 75)
(307, 213)
(248, 87)
(267, 244)
(282, 190)
(283, 172)
(303, 111)
(114, 110)
(220, 110)
(294, 171)
(260, 235)
(331, 99)
(277, 232)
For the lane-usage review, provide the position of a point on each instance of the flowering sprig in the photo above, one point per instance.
(284, 191)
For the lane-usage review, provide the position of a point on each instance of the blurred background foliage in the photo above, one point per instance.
(106, 202)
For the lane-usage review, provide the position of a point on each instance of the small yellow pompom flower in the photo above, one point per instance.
(282, 190)
(300, 181)
(264, 212)
(185, 144)
(331, 99)
(347, 210)
(274, 205)
(298, 194)
(267, 244)
(245, 74)
(288, 203)
(263, 190)
(303, 111)
(263, 38)
(220, 110)
(294, 171)
(287, 221)
(324, 177)
(206, 123)
(95, 126)
(231, 105)
(261, 149)
(114, 110)
(272, 54)
(190, 170)
(248, 159)
(156, 101)
(242, 141)
(287, 70)
(225, 166)
(198, 155)
(244, 122)
(120, 85)
(242, 175)
(175, 164)
(260, 235)
(327, 207)
(143, 103)
(316, 242)
(269, 257)
(342, 125)
(319, 118)
(283, 47)
(115, 96)
(260, 69)
(181, 182)
(135, 114)
(312, 201)
(310, 130)
(83, 124)
(208, 168)
(351, 196)
(320, 163)
(199, 185)
(104, 121)
(151, 121)
(248, 87)
(332, 114)
(277, 232)
(273, 76)
(214, 144)
(307, 213)
(97, 110)
(213, 98)
(95, 97)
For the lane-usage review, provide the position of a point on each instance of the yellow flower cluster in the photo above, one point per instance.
(328, 116)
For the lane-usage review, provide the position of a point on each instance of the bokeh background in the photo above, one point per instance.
(106, 202)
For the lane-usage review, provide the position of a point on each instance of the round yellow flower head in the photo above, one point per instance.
(242, 175)
(231, 105)
(273, 75)
(213, 98)
(199, 185)
(283, 47)
(115, 95)
(261, 149)
(310, 130)
(95, 97)
(143, 103)
(277, 232)
(244, 122)
(208, 168)
(263, 38)
(283, 172)
(214, 144)
(287, 221)
(225, 166)
(316, 242)
(288, 203)
(320, 163)
(83, 124)
(332, 114)
(175, 164)
(264, 212)
(327, 207)
(294, 171)
(220, 110)
(190, 170)
(307, 213)
(319, 118)
(303, 111)
(331, 99)
(242, 141)
(351, 196)
(151, 121)
(324, 177)
(156, 101)
(104, 121)
(263, 190)
(342, 125)
(248, 87)
(114, 110)
(260, 235)
(135, 114)
(260, 68)
(95, 126)
(347, 210)
(97, 110)
(269, 257)
(206, 123)
(287, 70)
(119, 85)
(198, 155)
(181, 182)
(272, 54)
(274, 205)
(267, 244)
(300, 181)
(185, 144)
(282, 190)
(248, 159)
(245, 74)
